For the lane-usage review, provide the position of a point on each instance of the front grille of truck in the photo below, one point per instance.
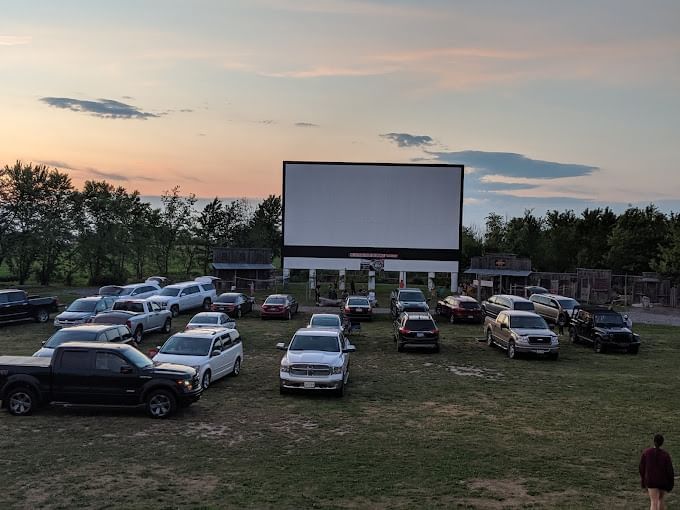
(310, 370)
(539, 339)
(621, 338)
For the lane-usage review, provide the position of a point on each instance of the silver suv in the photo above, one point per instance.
(553, 308)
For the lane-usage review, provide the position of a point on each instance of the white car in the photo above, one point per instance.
(179, 297)
(212, 352)
(211, 320)
(326, 320)
(131, 291)
(316, 359)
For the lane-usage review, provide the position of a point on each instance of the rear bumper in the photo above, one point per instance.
(359, 315)
(418, 342)
(279, 314)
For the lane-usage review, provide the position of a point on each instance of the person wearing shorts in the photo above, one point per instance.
(656, 474)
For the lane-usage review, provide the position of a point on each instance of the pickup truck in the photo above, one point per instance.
(17, 305)
(139, 315)
(102, 374)
(519, 331)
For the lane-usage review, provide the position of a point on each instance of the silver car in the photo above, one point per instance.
(521, 332)
(553, 308)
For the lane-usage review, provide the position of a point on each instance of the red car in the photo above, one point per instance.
(460, 309)
(283, 306)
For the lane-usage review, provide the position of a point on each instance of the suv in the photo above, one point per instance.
(82, 310)
(460, 309)
(316, 359)
(496, 304)
(553, 308)
(212, 352)
(604, 328)
(85, 333)
(179, 297)
(521, 332)
(407, 300)
(133, 290)
(415, 329)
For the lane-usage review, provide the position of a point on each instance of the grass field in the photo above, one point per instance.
(466, 428)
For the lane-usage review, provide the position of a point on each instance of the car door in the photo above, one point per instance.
(155, 317)
(218, 362)
(114, 380)
(195, 296)
(504, 331)
(71, 376)
(5, 309)
(17, 305)
(229, 351)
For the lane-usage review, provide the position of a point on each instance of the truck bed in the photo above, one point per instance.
(25, 361)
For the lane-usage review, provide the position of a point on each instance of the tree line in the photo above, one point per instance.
(52, 231)
(635, 241)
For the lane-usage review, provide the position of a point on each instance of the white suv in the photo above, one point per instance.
(212, 352)
(316, 359)
(183, 296)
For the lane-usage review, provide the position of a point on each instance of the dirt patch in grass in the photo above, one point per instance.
(510, 493)
(470, 371)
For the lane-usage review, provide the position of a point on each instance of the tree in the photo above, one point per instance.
(174, 228)
(592, 231)
(524, 237)
(635, 241)
(669, 253)
(494, 236)
(265, 225)
(472, 245)
(561, 241)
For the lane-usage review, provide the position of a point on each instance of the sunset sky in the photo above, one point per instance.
(549, 104)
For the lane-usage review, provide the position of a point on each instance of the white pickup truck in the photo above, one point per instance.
(139, 315)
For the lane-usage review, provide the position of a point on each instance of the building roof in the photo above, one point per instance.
(498, 272)
(241, 266)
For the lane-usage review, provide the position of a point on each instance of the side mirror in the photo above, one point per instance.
(215, 353)
(126, 369)
(350, 348)
(43, 343)
(281, 346)
(504, 326)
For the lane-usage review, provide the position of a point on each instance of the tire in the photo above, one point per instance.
(489, 338)
(512, 354)
(174, 310)
(282, 390)
(42, 315)
(452, 319)
(206, 304)
(555, 357)
(167, 326)
(340, 392)
(160, 404)
(206, 380)
(137, 335)
(237, 368)
(21, 401)
(597, 346)
(573, 336)
(239, 313)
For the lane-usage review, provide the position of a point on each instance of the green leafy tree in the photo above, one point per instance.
(669, 253)
(495, 234)
(561, 241)
(265, 225)
(635, 241)
(592, 234)
(176, 218)
(525, 237)
(472, 245)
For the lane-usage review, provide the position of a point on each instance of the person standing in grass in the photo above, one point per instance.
(656, 473)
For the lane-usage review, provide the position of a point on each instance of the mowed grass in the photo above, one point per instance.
(465, 428)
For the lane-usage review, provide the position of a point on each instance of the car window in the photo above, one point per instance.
(218, 345)
(15, 297)
(100, 306)
(75, 359)
(527, 306)
(226, 342)
(112, 335)
(108, 361)
(3, 298)
(207, 287)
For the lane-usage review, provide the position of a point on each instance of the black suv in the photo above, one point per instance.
(604, 328)
(407, 300)
(416, 329)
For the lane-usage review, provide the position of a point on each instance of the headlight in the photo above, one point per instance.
(285, 367)
(185, 383)
(521, 338)
(337, 370)
(554, 340)
(56, 321)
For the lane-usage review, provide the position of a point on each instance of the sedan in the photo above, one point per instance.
(211, 320)
(279, 305)
(233, 303)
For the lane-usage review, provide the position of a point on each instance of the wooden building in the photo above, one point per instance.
(238, 267)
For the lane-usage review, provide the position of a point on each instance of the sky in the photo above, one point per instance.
(548, 104)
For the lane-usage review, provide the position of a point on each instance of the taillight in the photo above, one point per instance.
(435, 331)
(348, 309)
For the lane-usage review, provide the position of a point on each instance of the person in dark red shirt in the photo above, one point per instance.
(656, 473)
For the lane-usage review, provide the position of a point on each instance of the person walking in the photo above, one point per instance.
(352, 286)
(656, 474)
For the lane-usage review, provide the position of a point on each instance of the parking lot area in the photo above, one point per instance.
(466, 427)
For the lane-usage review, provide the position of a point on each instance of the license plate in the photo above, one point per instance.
(420, 335)
(539, 351)
(359, 310)
(309, 385)
(470, 317)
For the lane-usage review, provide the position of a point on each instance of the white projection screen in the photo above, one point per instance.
(382, 216)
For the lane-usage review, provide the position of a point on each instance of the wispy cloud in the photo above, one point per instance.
(103, 108)
(330, 71)
(88, 171)
(305, 124)
(348, 7)
(14, 40)
(407, 140)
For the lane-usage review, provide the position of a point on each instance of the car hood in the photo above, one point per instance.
(533, 332)
(173, 369)
(44, 352)
(318, 357)
(162, 299)
(73, 316)
(420, 305)
(179, 360)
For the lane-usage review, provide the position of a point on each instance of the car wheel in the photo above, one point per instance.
(206, 379)
(237, 368)
(160, 404)
(597, 346)
(489, 338)
(239, 314)
(452, 319)
(282, 390)
(512, 354)
(167, 326)
(340, 391)
(21, 401)
(290, 315)
(42, 315)
(174, 310)
(206, 304)
(573, 336)
(137, 336)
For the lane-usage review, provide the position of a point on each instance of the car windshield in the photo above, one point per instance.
(609, 320)
(411, 296)
(469, 305)
(315, 343)
(128, 306)
(82, 305)
(275, 301)
(110, 290)
(204, 319)
(527, 306)
(70, 335)
(325, 321)
(227, 298)
(181, 345)
(568, 304)
(138, 359)
(169, 291)
(528, 322)
(420, 325)
(357, 302)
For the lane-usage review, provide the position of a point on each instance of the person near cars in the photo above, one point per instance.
(628, 321)
(353, 287)
(656, 473)
(317, 294)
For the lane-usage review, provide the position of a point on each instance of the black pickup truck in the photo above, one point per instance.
(16, 305)
(104, 374)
